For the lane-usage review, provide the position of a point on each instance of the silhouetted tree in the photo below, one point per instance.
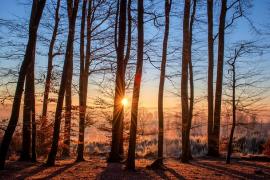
(72, 8)
(119, 86)
(36, 13)
(136, 88)
(214, 138)
(51, 55)
(184, 83)
(210, 93)
(159, 161)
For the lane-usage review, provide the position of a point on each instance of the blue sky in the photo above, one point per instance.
(259, 13)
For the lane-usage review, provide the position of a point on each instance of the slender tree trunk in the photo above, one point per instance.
(159, 160)
(36, 13)
(191, 81)
(84, 71)
(136, 89)
(119, 86)
(68, 109)
(121, 147)
(218, 97)
(230, 146)
(49, 75)
(72, 9)
(184, 83)
(210, 76)
(27, 111)
(31, 76)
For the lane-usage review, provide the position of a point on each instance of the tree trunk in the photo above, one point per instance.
(27, 112)
(210, 75)
(119, 86)
(159, 161)
(191, 81)
(48, 76)
(184, 83)
(31, 76)
(136, 89)
(84, 71)
(218, 98)
(121, 146)
(36, 13)
(67, 125)
(72, 13)
(230, 147)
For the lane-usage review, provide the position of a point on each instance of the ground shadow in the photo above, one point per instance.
(117, 171)
(161, 173)
(42, 167)
(227, 171)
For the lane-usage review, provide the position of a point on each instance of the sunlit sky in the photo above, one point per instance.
(260, 15)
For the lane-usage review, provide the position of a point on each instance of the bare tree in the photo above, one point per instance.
(36, 13)
(184, 83)
(210, 94)
(72, 8)
(159, 161)
(119, 86)
(51, 55)
(214, 138)
(136, 88)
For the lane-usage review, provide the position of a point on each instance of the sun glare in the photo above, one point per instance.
(124, 101)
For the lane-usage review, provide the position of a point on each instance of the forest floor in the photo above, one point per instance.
(97, 168)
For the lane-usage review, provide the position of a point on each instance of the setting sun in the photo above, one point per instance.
(124, 101)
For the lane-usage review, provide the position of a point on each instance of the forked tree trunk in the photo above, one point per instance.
(27, 115)
(218, 97)
(36, 13)
(136, 89)
(119, 87)
(184, 83)
(72, 9)
(44, 124)
(210, 96)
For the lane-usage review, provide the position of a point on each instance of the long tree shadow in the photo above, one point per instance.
(44, 167)
(116, 171)
(161, 173)
(227, 171)
(250, 164)
(60, 170)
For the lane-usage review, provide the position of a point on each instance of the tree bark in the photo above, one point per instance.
(36, 13)
(27, 111)
(230, 147)
(33, 111)
(191, 81)
(159, 160)
(119, 87)
(127, 56)
(72, 13)
(136, 89)
(210, 75)
(84, 72)
(184, 83)
(43, 126)
(218, 97)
